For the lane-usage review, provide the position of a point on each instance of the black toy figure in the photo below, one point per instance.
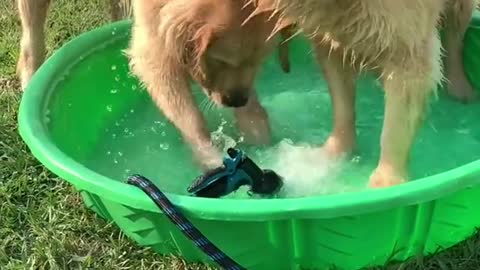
(237, 170)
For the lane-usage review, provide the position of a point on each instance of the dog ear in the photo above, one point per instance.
(184, 34)
(199, 45)
(286, 33)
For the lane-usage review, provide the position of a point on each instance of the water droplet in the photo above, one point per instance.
(134, 87)
(132, 111)
(115, 161)
(114, 67)
(356, 159)
(163, 134)
(109, 153)
(113, 91)
(114, 135)
(126, 130)
(117, 78)
(164, 146)
(109, 108)
(117, 124)
(120, 154)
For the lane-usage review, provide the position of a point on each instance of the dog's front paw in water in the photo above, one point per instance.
(208, 157)
(255, 132)
(385, 176)
(338, 146)
(253, 123)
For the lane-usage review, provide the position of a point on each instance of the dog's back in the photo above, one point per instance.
(370, 31)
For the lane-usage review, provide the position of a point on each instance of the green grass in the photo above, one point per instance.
(43, 222)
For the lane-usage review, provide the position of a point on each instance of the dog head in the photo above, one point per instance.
(223, 47)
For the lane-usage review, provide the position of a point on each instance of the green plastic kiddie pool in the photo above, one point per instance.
(90, 122)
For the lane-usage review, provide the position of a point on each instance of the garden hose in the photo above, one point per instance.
(182, 223)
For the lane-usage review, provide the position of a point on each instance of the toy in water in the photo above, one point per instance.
(237, 170)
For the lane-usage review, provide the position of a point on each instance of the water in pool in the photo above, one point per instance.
(142, 141)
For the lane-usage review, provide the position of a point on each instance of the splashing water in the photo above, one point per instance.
(150, 150)
(306, 170)
(223, 141)
(154, 148)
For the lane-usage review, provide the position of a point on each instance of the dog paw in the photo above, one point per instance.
(24, 80)
(24, 74)
(461, 89)
(26, 68)
(254, 125)
(337, 146)
(208, 158)
(257, 136)
(383, 177)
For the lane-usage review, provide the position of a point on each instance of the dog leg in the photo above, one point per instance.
(115, 10)
(33, 14)
(178, 105)
(169, 89)
(252, 121)
(341, 85)
(408, 86)
(458, 20)
(120, 9)
(404, 107)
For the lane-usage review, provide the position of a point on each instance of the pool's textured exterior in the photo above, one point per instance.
(348, 231)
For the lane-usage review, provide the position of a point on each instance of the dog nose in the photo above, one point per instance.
(236, 98)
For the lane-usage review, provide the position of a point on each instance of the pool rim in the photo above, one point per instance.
(35, 135)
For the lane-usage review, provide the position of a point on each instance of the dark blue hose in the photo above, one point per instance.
(182, 223)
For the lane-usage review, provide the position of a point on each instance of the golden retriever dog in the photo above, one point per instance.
(211, 43)
(399, 41)
(33, 14)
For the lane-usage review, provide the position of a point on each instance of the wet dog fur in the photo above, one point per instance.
(399, 40)
(211, 43)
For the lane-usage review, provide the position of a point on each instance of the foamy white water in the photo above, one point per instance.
(306, 170)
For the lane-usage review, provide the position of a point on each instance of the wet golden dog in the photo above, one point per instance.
(33, 14)
(398, 40)
(211, 43)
